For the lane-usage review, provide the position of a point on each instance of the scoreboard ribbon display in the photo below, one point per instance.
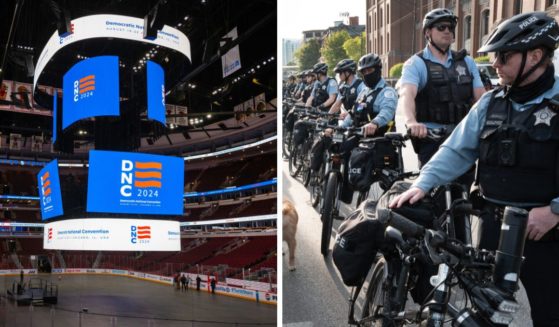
(49, 191)
(135, 183)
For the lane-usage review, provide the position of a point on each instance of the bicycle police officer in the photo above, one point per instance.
(375, 106)
(350, 85)
(438, 85)
(514, 132)
(325, 90)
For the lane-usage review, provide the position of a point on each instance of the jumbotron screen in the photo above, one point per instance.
(135, 183)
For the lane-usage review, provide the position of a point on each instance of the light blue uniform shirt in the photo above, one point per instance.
(385, 102)
(415, 72)
(457, 154)
(359, 89)
(332, 87)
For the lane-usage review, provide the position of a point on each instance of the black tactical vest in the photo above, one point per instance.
(362, 112)
(448, 94)
(519, 153)
(349, 93)
(307, 91)
(321, 94)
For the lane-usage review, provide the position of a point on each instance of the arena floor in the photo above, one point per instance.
(124, 301)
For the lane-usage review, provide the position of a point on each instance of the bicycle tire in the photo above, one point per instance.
(327, 210)
(315, 187)
(306, 175)
(294, 164)
(288, 136)
(376, 298)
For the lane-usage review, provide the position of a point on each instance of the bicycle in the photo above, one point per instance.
(484, 276)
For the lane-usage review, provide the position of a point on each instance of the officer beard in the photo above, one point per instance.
(372, 79)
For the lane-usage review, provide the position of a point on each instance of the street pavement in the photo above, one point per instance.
(314, 294)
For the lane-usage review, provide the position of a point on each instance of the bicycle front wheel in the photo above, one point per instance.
(327, 212)
(377, 302)
(295, 161)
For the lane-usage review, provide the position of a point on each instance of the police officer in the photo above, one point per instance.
(438, 85)
(310, 82)
(514, 132)
(325, 90)
(375, 106)
(350, 85)
(300, 84)
(290, 87)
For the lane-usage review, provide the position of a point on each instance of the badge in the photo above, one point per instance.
(369, 98)
(461, 70)
(544, 116)
(352, 91)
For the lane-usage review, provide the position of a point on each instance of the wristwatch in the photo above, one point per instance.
(555, 206)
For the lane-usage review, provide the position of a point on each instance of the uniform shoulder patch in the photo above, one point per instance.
(389, 93)
(332, 82)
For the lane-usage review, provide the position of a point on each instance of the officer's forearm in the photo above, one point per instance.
(330, 100)
(406, 104)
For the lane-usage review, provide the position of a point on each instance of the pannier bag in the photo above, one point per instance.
(357, 243)
(300, 133)
(377, 153)
(318, 150)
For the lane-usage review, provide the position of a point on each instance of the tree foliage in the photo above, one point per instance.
(355, 47)
(396, 70)
(482, 59)
(308, 54)
(333, 49)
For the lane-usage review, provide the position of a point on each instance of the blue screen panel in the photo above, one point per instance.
(90, 88)
(54, 108)
(156, 92)
(49, 191)
(136, 183)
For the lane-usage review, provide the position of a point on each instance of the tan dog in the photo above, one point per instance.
(290, 219)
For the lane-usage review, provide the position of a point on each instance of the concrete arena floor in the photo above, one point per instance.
(118, 301)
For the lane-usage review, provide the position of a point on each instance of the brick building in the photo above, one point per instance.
(392, 33)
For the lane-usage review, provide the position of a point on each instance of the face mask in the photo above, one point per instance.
(372, 79)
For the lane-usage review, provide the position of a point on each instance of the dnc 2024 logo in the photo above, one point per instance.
(142, 179)
(140, 234)
(84, 87)
(45, 188)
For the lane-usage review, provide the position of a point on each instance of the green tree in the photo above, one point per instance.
(355, 47)
(308, 54)
(333, 49)
(396, 70)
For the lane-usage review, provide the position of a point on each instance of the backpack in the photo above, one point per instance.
(358, 240)
(360, 168)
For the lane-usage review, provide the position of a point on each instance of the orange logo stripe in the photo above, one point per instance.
(88, 83)
(145, 232)
(89, 88)
(143, 227)
(47, 192)
(47, 183)
(147, 184)
(147, 174)
(142, 237)
(148, 165)
(45, 176)
(87, 78)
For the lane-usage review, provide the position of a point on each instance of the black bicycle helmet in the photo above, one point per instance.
(369, 60)
(523, 32)
(438, 15)
(321, 68)
(346, 65)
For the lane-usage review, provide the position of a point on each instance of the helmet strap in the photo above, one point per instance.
(522, 77)
(443, 52)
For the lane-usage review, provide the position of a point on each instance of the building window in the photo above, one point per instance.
(549, 3)
(467, 27)
(380, 18)
(484, 22)
(387, 13)
(517, 7)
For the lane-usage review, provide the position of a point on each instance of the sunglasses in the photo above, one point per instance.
(442, 27)
(503, 57)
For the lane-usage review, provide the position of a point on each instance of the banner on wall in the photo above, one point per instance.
(50, 195)
(91, 88)
(135, 183)
(17, 97)
(231, 61)
(110, 26)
